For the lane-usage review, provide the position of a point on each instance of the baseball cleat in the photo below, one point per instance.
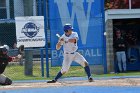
(52, 81)
(90, 79)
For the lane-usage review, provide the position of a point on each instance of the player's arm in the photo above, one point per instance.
(15, 59)
(59, 44)
(19, 56)
(10, 59)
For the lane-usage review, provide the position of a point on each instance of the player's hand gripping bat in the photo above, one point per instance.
(61, 40)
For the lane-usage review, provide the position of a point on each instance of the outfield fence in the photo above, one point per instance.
(37, 61)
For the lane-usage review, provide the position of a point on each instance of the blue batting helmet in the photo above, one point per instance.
(68, 27)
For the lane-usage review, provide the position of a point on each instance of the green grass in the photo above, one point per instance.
(16, 72)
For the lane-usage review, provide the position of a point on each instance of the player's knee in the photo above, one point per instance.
(63, 72)
(85, 64)
(8, 81)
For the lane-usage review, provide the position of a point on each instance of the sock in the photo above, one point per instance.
(87, 70)
(58, 75)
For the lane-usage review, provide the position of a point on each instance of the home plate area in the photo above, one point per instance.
(76, 84)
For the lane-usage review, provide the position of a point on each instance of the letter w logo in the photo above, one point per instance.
(78, 12)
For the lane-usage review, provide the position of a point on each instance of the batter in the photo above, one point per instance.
(69, 42)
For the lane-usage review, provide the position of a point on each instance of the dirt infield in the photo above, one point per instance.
(107, 82)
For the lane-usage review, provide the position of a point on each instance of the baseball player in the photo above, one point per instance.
(69, 42)
(4, 60)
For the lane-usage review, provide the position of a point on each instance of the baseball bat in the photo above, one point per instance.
(58, 35)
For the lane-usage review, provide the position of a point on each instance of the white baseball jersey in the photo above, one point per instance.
(69, 47)
(70, 53)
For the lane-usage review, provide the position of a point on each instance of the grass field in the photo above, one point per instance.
(16, 72)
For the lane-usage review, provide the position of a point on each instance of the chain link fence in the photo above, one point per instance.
(9, 9)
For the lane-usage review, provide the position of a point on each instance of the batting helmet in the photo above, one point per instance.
(68, 27)
(4, 48)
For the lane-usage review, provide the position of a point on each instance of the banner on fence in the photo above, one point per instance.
(86, 16)
(30, 31)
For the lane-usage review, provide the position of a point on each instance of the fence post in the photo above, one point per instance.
(28, 68)
(42, 61)
(46, 46)
(104, 40)
(39, 7)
